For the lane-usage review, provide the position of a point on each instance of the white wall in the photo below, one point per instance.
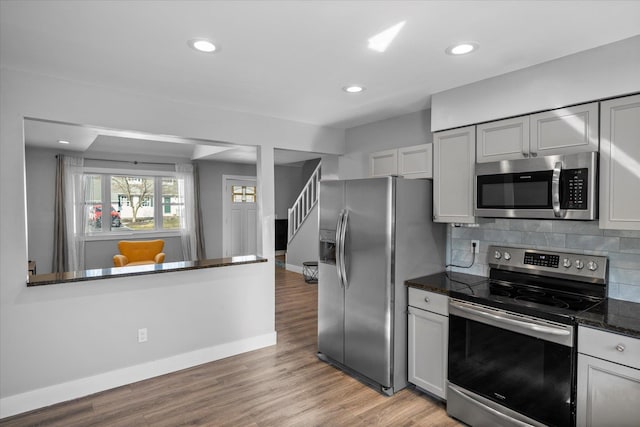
(401, 131)
(62, 341)
(602, 72)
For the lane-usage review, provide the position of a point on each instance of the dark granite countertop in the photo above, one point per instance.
(446, 283)
(112, 272)
(622, 317)
(617, 316)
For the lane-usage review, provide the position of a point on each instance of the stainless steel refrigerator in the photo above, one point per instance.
(374, 234)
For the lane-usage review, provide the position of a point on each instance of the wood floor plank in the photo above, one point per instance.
(282, 385)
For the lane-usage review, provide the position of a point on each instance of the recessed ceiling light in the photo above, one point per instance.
(462, 48)
(353, 89)
(202, 45)
(381, 41)
(62, 141)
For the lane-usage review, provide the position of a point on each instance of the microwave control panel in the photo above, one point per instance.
(575, 184)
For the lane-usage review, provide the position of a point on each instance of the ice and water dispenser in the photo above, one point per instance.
(328, 246)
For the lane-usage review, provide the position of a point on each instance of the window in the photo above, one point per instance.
(131, 203)
(243, 194)
(172, 204)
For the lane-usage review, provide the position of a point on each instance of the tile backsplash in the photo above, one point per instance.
(621, 246)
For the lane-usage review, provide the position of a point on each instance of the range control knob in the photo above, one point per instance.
(566, 263)
(579, 264)
(507, 256)
(592, 265)
(497, 255)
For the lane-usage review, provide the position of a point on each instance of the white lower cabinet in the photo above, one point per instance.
(608, 379)
(428, 341)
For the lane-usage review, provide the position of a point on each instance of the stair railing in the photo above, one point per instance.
(305, 202)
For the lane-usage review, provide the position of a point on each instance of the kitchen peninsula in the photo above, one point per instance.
(112, 272)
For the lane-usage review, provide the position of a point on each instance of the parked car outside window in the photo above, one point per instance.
(95, 216)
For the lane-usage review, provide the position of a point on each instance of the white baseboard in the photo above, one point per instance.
(294, 268)
(46, 396)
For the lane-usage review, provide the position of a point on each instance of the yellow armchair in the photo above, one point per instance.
(139, 252)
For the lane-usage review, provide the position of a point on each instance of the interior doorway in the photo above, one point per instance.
(240, 215)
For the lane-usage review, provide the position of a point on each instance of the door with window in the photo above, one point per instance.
(241, 216)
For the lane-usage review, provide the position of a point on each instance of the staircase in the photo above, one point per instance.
(304, 203)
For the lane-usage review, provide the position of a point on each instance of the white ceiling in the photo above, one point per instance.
(290, 59)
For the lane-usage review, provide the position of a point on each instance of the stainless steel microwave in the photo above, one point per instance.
(552, 187)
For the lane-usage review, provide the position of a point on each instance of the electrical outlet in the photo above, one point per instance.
(142, 335)
(477, 243)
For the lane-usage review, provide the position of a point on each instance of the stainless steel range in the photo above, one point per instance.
(512, 339)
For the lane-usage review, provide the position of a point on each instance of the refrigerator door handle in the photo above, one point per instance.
(339, 247)
(343, 260)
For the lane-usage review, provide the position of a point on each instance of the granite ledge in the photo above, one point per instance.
(612, 315)
(445, 282)
(139, 270)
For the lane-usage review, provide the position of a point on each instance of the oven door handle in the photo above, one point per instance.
(519, 323)
(495, 413)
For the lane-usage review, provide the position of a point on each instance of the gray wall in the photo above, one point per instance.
(288, 181)
(211, 173)
(401, 131)
(40, 173)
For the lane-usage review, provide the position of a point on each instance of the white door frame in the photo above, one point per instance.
(226, 206)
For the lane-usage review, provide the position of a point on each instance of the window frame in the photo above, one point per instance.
(109, 233)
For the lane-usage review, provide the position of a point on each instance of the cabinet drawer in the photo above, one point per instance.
(609, 346)
(431, 301)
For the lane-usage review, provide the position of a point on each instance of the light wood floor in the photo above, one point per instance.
(282, 385)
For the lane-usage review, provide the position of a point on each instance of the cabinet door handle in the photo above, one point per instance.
(620, 348)
(426, 299)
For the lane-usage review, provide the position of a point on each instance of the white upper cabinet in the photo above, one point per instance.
(383, 163)
(454, 156)
(620, 163)
(565, 130)
(409, 162)
(503, 140)
(416, 161)
(562, 131)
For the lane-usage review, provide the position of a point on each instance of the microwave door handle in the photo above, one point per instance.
(555, 190)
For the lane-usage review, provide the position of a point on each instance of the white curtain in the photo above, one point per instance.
(188, 229)
(74, 212)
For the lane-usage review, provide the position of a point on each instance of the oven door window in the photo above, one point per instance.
(526, 374)
(531, 190)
